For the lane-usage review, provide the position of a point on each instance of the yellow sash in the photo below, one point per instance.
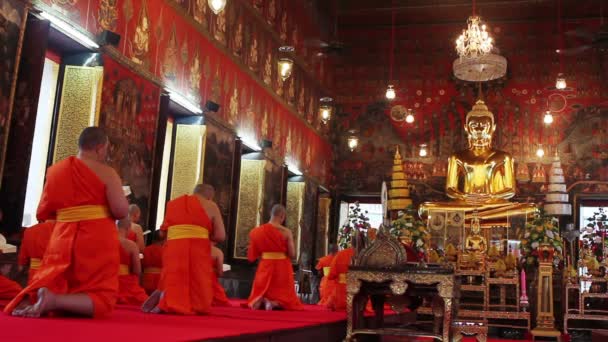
(273, 256)
(326, 270)
(123, 270)
(152, 270)
(187, 231)
(35, 263)
(342, 278)
(82, 213)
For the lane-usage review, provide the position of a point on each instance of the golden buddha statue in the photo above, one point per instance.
(480, 178)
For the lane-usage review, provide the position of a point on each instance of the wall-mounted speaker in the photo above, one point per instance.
(266, 143)
(108, 38)
(211, 106)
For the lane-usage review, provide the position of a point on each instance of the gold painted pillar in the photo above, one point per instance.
(249, 210)
(79, 107)
(323, 214)
(188, 159)
(295, 211)
(545, 317)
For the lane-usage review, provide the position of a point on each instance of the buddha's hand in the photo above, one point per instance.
(478, 198)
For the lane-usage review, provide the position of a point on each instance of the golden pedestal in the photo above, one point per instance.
(545, 318)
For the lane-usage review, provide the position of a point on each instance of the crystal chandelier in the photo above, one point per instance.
(475, 41)
(217, 5)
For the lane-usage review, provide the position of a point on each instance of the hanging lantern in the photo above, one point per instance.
(285, 63)
(410, 116)
(325, 110)
(390, 93)
(423, 152)
(352, 141)
(560, 82)
(548, 118)
(540, 152)
(325, 113)
(217, 5)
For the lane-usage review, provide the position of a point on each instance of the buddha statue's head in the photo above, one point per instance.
(480, 125)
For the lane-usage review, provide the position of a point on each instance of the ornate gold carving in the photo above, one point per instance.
(220, 27)
(80, 100)
(199, 11)
(295, 209)
(237, 49)
(253, 55)
(251, 190)
(272, 12)
(195, 73)
(291, 94)
(384, 252)
(233, 107)
(188, 159)
(283, 31)
(268, 69)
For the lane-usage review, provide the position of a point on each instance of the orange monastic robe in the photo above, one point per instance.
(274, 276)
(8, 288)
(35, 240)
(337, 273)
(219, 294)
(82, 255)
(186, 277)
(327, 286)
(152, 265)
(129, 291)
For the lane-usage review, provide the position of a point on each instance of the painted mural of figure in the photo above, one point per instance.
(283, 30)
(171, 57)
(220, 27)
(216, 86)
(238, 39)
(301, 103)
(268, 69)
(199, 11)
(141, 38)
(291, 95)
(195, 74)
(265, 129)
(253, 55)
(233, 108)
(107, 15)
(279, 85)
(272, 12)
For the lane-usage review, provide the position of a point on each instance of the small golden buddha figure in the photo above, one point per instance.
(238, 40)
(199, 11)
(253, 55)
(195, 73)
(233, 108)
(268, 69)
(107, 14)
(480, 178)
(220, 27)
(475, 243)
(141, 37)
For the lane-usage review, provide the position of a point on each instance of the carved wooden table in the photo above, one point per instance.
(363, 283)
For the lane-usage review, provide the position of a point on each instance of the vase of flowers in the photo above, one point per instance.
(356, 222)
(541, 235)
(411, 231)
(594, 236)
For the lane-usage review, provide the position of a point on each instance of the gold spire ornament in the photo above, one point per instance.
(399, 193)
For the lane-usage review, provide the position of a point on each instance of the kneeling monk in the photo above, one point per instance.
(35, 240)
(79, 271)
(129, 291)
(338, 269)
(152, 264)
(327, 286)
(186, 287)
(219, 294)
(273, 286)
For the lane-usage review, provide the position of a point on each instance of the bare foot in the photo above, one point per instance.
(45, 303)
(151, 304)
(257, 304)
(18, 311)
(267, 305)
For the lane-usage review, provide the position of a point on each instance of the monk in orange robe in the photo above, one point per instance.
(338, 268)
(129, 291)
(152, 264)
(35, 240)
(136, 233)
(186, 282)
(219, 294)
(327, 286)
(79, 271)
(8, 288)
(273, 286)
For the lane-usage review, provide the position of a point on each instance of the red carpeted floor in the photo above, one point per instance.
(130, 324)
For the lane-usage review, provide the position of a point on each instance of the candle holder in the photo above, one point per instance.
(523, 299)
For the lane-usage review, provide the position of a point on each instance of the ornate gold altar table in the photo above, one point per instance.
(363, 283)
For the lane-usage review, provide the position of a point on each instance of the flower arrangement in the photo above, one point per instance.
(593, 236)
(411, 230)
(357, 221)
(542, 230)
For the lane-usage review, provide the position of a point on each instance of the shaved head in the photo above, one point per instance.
(91, 138)
(205, 190)
(278, 210)
(133, 209)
